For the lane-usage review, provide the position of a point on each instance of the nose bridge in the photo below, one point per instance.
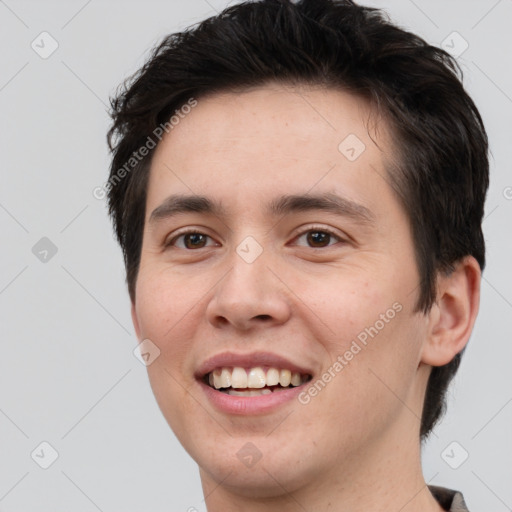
(249, 267)
(247, 282)
(249, 291)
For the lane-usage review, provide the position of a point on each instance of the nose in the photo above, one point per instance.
(248, 296)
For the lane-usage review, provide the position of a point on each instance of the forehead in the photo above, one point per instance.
(289, 116)
(269, 139)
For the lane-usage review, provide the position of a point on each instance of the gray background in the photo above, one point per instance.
(68, 373)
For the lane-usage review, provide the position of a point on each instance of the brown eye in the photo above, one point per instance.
(190, 240)
(320, 238)
(194, 240)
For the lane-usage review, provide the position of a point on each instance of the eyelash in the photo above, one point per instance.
(318, 229)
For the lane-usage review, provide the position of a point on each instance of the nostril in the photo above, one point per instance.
(262, 317)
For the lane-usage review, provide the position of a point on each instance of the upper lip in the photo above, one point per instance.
(249, 360)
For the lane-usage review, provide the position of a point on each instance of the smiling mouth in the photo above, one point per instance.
(255, 381)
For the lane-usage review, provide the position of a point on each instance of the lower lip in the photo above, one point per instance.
(244, 405)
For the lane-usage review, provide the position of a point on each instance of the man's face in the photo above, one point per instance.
(290, 288)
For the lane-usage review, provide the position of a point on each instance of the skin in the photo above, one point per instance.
(355, 446)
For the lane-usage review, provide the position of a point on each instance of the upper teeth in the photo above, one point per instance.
(240, 378)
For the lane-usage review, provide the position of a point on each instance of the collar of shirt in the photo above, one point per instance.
(449, 499)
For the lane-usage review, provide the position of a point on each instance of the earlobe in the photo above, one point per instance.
(135, 321)
(452, 318)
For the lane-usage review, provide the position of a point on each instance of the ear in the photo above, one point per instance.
(135, 321)
(451, 319)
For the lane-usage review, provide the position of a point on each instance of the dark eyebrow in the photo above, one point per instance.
(178, 204)
(327, 202)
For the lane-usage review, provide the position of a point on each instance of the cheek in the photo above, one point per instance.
(344, 309)
(168, 319)
(376, 377)
(165, 304)
(373, 342)
(171, 395)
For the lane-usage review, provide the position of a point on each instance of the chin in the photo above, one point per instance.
(253, 466)
(260, 481)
